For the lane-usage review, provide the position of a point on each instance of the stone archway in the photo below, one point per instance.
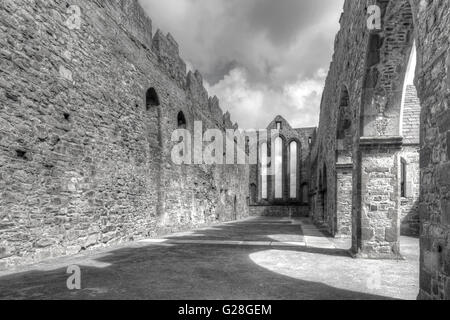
(376, 87)
(376, 214)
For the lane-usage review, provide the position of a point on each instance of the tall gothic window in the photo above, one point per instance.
(181, 119)
(264, 164)
(278, 166)
(151, 98)
(293, 165)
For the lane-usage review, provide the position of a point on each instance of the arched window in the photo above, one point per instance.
(151, 98)
(293, 168)
(278, 152)
(264, 164)
(181, 119)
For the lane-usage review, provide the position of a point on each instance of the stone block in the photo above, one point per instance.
(367, 233)
(425, 157)
(424, 212)
(392, 234)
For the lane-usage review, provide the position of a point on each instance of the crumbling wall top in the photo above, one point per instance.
(131, 16)
(167, 51)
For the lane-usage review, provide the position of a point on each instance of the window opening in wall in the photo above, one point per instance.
(279, 127)
(182, 124)
(151, 98)
(403, 178)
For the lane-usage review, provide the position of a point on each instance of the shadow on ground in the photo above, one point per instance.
(194, 271)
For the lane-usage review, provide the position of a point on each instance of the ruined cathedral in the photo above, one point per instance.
(90, 96)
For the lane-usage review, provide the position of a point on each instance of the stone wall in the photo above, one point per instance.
(280, 211)
(84, 160)
(409, 205)
(433, 85)
(371, 65)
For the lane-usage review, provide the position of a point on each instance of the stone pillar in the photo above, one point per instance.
(344, 186)
(378, 224)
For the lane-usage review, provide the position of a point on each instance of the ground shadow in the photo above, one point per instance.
(263, 229)
(180, 271)
(161, 272)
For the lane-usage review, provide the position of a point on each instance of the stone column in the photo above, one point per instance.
(344, 186)
(378, 224)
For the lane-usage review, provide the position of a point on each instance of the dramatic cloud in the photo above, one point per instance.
(260, 57)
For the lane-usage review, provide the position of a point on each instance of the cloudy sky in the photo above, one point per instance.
(260, 57)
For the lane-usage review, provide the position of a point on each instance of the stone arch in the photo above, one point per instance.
(375, 216)
(387, 51)
(344, 137)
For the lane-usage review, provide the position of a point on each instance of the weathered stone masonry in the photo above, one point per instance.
(85, 146)
(370, 65)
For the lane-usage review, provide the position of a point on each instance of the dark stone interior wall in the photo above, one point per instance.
(83, 161)
(433, 86)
